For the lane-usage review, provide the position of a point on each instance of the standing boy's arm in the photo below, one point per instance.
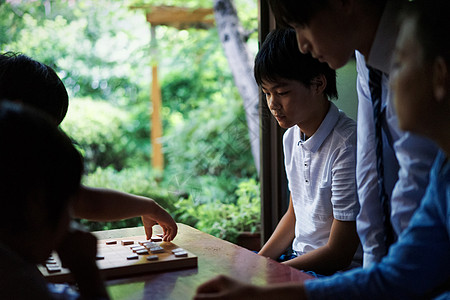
(335, 255)
(99, 204)
(370, 221)
(282, 236)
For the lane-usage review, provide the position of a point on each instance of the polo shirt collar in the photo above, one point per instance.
(380, 56)
(329, 122)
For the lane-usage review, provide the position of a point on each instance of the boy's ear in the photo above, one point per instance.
(441, 79)
(318, 84)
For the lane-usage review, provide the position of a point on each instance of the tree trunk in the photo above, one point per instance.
(240, 60)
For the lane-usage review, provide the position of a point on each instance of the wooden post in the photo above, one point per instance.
(156, 130)
(274, 186)
(181, 18)
(155, 104)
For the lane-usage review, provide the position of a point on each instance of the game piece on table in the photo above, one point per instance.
(152, 257)
(143, 242)
(127, 242)
(142, 252)
(135, 246)
(53, 268)
(181, 254)
(133, 256)
(157, 249)
(177, 250)
(50, 259)
(111, 242)
(135, 249)
(156, 239)
(149, 245)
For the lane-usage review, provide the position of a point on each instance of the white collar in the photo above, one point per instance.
(314, 142)
(380, 56)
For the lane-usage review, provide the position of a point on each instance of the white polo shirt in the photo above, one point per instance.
(322, 178)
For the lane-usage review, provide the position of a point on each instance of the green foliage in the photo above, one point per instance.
(224, 220)
(97, 49)
(211, 141)
(101, 51)
(101, 131)
(138, 181)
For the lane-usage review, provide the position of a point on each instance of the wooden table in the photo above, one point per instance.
(215, 256)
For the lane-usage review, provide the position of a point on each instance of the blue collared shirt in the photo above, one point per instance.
(417, 266)
(407, 157)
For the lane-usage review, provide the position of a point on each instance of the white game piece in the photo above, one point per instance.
(152, 257)
(51, 262)
(156, 239)
(134, 246)
(157, 249)
(53, 268)
(142, 251)
(139, 249)
(150, 244)
(133, 256)
(181, 254)
(111, 242)
(127, 242)
(177, 250)
(143, 242)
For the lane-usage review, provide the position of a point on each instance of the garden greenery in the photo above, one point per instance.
(100, 49)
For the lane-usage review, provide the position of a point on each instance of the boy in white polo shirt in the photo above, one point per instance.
(320, 158)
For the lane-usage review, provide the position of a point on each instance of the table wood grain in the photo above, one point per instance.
(215, 256)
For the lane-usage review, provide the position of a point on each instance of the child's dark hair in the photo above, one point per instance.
(433, 26)
(38, 161)
(280, 58)
(33, 83)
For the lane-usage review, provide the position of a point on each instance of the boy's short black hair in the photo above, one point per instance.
(37, 161)
(280, 58)
(295, 11)
(31, 82)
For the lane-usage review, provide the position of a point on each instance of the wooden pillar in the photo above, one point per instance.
(156, 103)
(274, 189)
(181, 18)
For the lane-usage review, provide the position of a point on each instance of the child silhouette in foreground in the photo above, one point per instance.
(27, 81)
(39, 180)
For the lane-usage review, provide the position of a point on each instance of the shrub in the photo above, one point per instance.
(224, 220)
(139, 181)
(209, 145)
(100, 131)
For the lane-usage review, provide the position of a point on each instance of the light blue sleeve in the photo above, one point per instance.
(416, 266)
(415, 155)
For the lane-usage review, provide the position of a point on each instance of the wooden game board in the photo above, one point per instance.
(115, 264)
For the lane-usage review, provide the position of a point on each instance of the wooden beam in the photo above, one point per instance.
(178, 17)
